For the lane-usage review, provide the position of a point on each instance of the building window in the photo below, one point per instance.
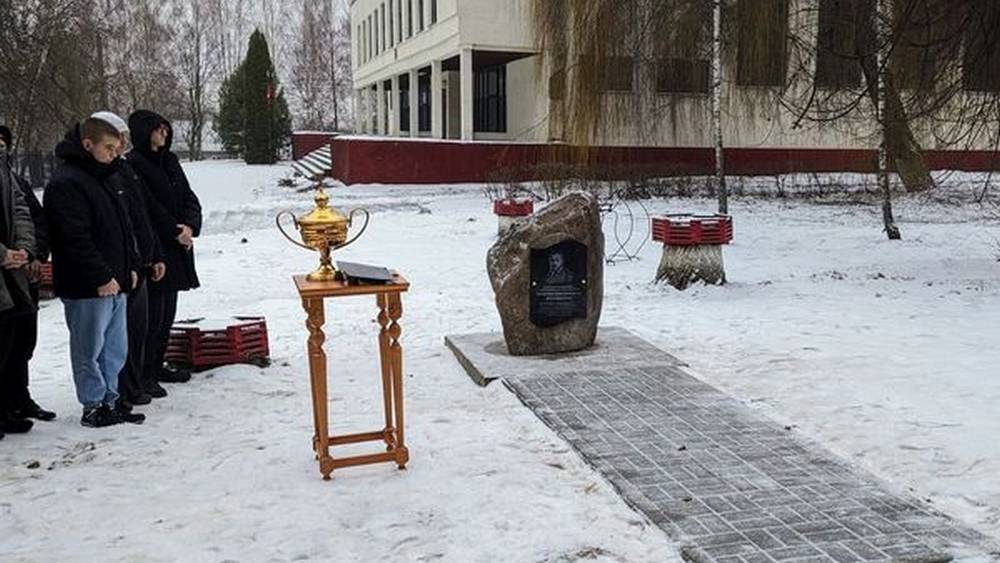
(490, 99)
(420, 15)
(357, 45)
(434, 12)
(837, 65)
(923, 33)
(982, 47)
(382, 25)
(409, 18)
(392, 27)
(404, 103)
(399, 19)
(371, 39)
(682, 76)
(762, 53)
(424, 101)
(619, 74)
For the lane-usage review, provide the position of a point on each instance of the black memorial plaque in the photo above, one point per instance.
(558, 283)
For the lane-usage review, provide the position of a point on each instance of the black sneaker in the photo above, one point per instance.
(126, 415)
(99, 417)
(15, 425)
(31, 410)
(178, 375)
(155, 390)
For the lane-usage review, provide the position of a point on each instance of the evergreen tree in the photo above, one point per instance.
(267, 123)
(230, 121)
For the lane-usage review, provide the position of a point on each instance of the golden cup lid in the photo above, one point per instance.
(323, 214)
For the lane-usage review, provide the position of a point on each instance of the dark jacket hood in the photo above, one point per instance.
(141, 124)
(71, 151)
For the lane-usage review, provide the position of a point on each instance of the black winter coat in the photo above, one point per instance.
(90, 232)
(148, 243)
(171, 201)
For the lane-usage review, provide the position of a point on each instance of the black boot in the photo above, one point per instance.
(173, 375)
(155, 390)
(15, 425)
(99, 417)
(125, 414)
(30, 409)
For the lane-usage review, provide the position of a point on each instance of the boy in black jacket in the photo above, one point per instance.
(175, 213)
(94, 262)
(136, 385)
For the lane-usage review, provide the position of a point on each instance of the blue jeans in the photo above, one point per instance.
(98, 347)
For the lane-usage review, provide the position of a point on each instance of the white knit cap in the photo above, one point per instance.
(112, 119)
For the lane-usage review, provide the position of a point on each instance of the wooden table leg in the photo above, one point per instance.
(396, 363)
(385, 363)
(315, 318)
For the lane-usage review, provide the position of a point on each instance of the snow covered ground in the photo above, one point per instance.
(883, 351)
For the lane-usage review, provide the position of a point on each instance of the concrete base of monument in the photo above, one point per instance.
(485, 358)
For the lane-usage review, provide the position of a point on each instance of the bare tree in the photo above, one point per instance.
(197, 65)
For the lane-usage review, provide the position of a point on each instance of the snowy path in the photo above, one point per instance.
(896, 372)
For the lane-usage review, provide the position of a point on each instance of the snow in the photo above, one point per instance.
(882, 351)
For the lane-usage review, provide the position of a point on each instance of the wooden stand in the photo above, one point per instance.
(387, 298)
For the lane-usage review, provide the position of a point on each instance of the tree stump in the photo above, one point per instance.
(692, 248)
(681, 266)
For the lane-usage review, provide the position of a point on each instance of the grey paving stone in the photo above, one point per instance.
(732, 485)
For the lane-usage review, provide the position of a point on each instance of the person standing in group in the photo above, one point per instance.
(136, 385)
(175, 213)
(25, 338)
(94, 266)
(17, 247)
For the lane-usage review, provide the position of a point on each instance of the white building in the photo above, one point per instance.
(463, 49)
(482, 60)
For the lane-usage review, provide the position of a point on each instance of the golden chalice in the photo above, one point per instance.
(324, 229)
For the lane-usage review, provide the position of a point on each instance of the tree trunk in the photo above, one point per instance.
(901, 145)
(880, 91)
(720, 170)
(681, 266)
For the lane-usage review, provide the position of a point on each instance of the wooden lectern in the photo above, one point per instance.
(387, 297)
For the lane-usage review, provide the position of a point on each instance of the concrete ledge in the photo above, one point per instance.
(484, 355)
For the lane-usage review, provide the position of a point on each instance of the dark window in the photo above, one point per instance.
(762, 54)
(682, 76)
(982, 47)
(392, 27)
(490, 99)
(404, 103)
(683, 42)
(424, 101)
(399, 18)
(420, 15)
(837, 64)
(922, 33)
(409, 18)
(618, 74)
(371, 39)
(434, 12)
(381, 27)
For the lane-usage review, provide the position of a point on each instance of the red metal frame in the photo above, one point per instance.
(244, 342)
(513, 208)
(691, 230)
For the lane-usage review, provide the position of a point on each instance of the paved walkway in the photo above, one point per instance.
(731, 485)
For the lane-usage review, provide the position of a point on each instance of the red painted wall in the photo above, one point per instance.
(305, 142)
(401, 161)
